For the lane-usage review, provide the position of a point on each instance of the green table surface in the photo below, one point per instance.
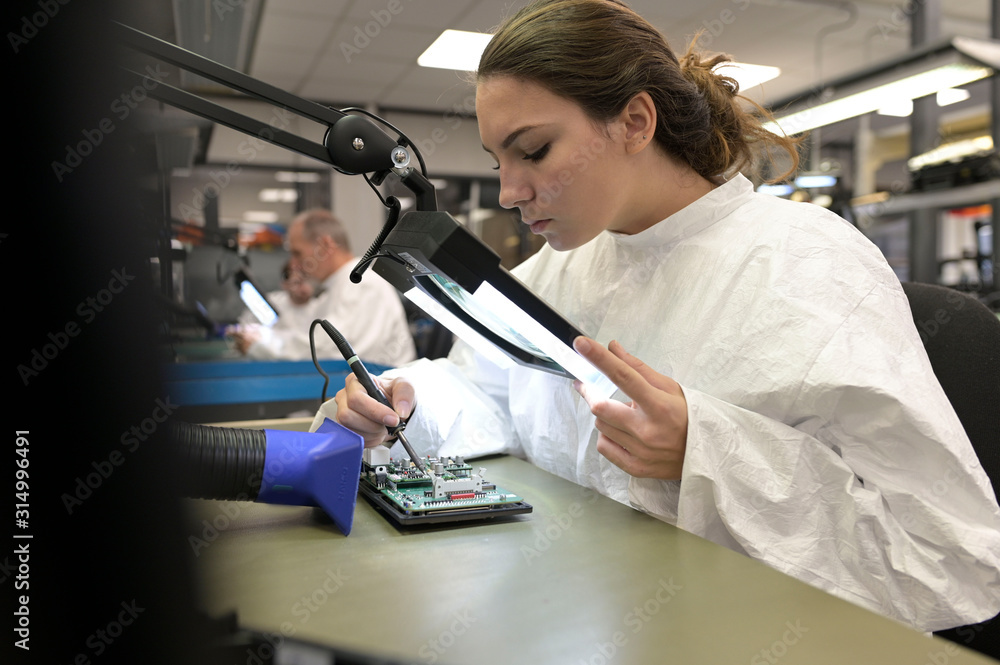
(580, 580)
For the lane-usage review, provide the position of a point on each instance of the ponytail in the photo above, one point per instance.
(737, 136)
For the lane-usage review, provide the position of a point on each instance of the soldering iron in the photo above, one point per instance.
(373, 389)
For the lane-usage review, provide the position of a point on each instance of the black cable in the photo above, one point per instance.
(374, 189)
(394, 207)
(312, 349)
(362, 264)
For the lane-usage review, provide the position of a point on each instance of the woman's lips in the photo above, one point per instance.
(539, 225)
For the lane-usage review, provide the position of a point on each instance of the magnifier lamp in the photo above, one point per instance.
(426, 254)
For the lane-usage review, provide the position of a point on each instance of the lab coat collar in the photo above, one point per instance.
(693, 219)
(339, 276)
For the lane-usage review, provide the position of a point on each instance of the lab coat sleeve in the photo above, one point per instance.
(374, 338)
(877, 498)
(461, 406)
(287, 344)
(268, 346)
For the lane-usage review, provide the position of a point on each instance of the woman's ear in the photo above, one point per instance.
(639, 121)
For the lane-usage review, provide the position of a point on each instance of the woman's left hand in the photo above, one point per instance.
(647, 436)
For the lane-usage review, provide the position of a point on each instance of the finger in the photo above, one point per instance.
(621, 438)
(654, 378)
(622, 416)
(359, 401)
(617, 370)
(615, 454)
(401, 395)
(372, 432)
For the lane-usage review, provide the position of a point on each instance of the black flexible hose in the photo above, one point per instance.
(220, 462)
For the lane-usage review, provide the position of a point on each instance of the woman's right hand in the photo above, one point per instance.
(360, 413)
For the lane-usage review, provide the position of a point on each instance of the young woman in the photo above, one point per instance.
(775, 396)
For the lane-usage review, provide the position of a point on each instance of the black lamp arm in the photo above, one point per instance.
(353, 144)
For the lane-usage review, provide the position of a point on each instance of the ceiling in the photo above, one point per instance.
(310, 47)
(364, 52)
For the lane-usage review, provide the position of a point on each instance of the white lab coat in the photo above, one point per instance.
(819, 441)
(369, 315)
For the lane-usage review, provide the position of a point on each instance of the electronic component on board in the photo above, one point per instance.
(445, 490)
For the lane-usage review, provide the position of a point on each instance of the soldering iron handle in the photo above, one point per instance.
(359, 369)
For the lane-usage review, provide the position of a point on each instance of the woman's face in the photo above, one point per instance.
(556, 165)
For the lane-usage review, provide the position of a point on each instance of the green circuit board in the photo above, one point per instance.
(447, 490)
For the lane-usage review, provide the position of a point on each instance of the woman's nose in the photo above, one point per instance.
(513, 191)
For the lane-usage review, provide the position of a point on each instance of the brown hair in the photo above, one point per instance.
(600, 54)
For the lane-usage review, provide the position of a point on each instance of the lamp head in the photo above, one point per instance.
(449, 273)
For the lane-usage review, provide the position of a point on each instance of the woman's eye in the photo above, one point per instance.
(538, 154)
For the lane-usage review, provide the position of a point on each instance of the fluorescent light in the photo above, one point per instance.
(949, 64)
(747, 75)
(950, 96)
(776, 190)
(261, 216)
(278, 195)
(951, 152)
(946, 97)
(815, 181)
(455, 49)
(912, 87)
(898, 109)
(296, 176)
